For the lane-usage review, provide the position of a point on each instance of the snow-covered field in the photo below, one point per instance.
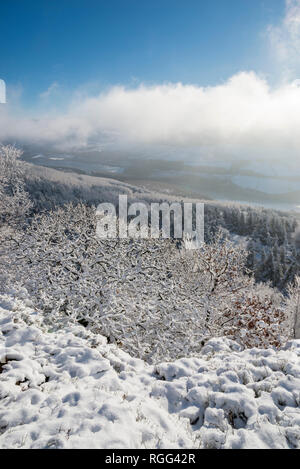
(70, 389)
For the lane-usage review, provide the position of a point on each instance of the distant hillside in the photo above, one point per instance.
(50, 187)
(269, 234)
(272, 183)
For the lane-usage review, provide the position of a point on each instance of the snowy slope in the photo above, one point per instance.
(70, 389)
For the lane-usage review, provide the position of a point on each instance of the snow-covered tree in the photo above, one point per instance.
(14, 200)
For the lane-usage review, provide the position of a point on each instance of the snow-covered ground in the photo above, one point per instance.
(70, 389)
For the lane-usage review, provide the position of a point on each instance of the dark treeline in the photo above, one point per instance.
(273, 240)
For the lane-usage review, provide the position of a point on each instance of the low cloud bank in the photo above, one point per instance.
(243, 116)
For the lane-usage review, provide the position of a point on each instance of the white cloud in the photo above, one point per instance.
(2, 92)
(285, 39)
(241, 117)
(51, 90)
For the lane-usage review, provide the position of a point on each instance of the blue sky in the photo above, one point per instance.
(99, 43)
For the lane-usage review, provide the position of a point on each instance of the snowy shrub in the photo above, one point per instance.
(255, 322)
(150, 297)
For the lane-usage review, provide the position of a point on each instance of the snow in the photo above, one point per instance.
(70, 389)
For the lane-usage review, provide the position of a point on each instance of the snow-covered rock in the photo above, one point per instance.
(70, 389)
